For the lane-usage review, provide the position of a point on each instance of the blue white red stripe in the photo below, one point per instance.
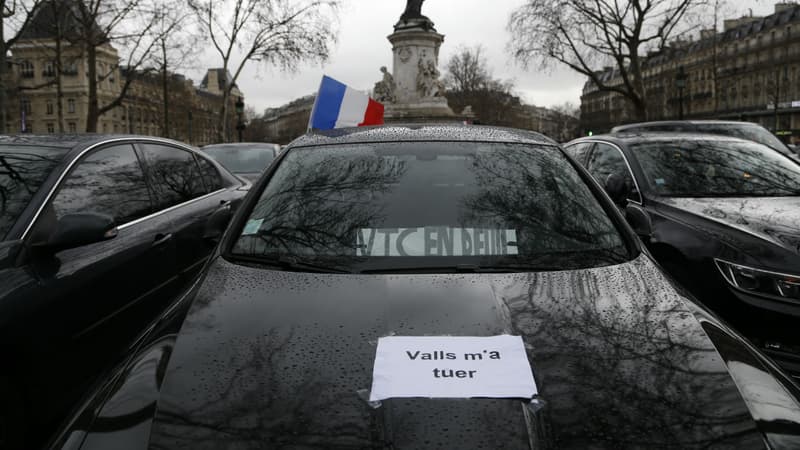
(339, 106)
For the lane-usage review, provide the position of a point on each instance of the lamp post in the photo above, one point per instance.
(239, 114)
(680, 83)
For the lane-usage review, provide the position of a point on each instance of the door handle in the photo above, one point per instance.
(161, 238)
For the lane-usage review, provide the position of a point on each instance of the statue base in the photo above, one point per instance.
(418, 89)
(420, 112)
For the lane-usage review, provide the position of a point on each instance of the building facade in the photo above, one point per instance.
(750, 71)
(35, 104)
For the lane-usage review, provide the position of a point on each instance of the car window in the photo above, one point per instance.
(108, 181)
(579, 151)
(607, 160)
(174, 174)
(364, 203)
(242, 158)
(709, 168)
(211, 176)
(23, 169)
(748, 131)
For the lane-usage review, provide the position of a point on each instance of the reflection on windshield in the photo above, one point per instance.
(427, 200)
(704, 168)
(22, 171)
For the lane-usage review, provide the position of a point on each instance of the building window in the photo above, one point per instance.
(72, 127)
(49, 107)
(26, 69)
(70, 105)
(51, 128)
(71, 68)
(48, 71)
(26, 105)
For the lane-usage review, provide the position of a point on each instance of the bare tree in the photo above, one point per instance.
(101, 22)
(469, 82)
(585, 35)
(175, 44)
(280, 32)
(17, 14)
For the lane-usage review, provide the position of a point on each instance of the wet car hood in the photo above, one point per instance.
(773, 219)
(269, 359)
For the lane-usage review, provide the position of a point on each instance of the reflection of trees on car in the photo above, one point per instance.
(716, 168)
(111, 182)
(318, 209)
(541, 195)
(591, 337)
(21, 174)
(178, 179)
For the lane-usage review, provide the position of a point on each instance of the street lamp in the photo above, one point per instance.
(680, 83)
(239, 114)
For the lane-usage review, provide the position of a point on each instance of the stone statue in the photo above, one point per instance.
(412, 17)
(385, 89)
(428, 82)
(413, 10)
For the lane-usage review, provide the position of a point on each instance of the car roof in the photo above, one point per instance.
(682, 122)
(661, 136)
(422, 132)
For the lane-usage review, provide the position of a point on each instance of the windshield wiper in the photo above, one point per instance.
(289, 263)
(467, 268)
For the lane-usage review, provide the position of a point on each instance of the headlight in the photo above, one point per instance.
(759, 281)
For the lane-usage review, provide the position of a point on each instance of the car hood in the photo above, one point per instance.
(269, 359)
(772, 219)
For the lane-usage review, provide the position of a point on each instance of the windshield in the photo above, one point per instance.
(22, 171)
(391, 204)
(242, 158)
(746, 131)
(708, 168)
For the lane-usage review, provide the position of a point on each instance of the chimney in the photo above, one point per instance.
(212, 85)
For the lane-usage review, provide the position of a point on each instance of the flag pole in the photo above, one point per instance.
(314, 108)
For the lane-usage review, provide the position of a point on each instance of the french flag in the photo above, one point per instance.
(339, 106)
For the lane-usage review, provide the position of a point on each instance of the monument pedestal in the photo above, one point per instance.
(418, 92)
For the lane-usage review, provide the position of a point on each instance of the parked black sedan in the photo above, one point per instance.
(358, 234)
(97, 234)
(721, 214)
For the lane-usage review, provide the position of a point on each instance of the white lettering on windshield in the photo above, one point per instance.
(436, 241)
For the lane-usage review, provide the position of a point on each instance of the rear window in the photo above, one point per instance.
(391, 204)
(23, 169)
(242, 158)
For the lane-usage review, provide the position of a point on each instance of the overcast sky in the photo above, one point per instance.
(363, 48)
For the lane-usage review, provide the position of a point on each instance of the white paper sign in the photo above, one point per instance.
(451, 367)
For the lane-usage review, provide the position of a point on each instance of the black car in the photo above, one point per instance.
(246, 159)
(97, 235)
(744, 130)
(721, 214)
(358, 234)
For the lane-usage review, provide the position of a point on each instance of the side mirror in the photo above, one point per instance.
(76, 230)
(639, 220)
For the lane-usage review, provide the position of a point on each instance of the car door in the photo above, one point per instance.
(88, 285)
(606, 160)
(193, 190)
